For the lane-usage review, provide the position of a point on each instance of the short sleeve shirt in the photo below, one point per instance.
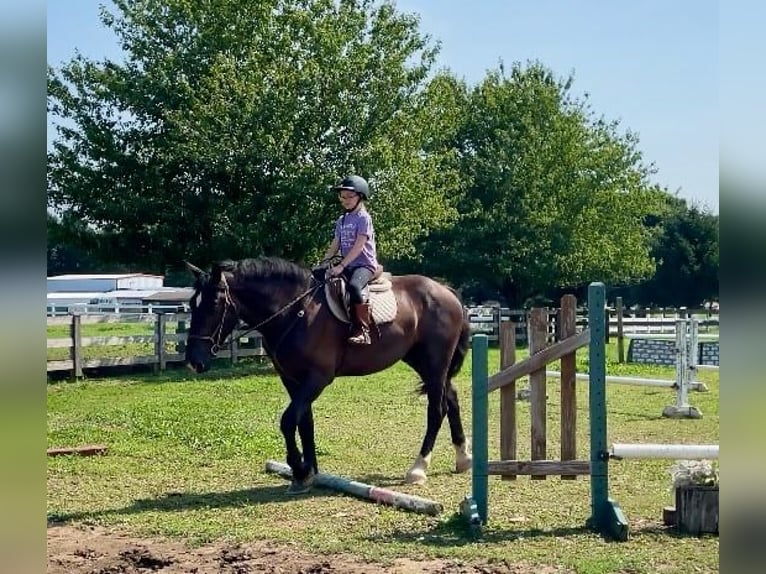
(347, 228)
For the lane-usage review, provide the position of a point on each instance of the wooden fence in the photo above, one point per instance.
(164, 342)
(622, 322)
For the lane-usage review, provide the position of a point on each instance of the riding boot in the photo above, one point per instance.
(360, 334)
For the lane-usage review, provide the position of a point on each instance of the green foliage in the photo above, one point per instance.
(555, 197)
(220, 134)
(686, 248)
(223, 129)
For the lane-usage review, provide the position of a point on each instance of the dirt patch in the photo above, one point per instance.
(95, 550)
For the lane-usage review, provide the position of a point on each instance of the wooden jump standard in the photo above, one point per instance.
(606, 515)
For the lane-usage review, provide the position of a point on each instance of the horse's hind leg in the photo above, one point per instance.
(463, 458)
(425, 363)
(435, 416)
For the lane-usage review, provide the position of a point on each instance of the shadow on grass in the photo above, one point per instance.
(176, 372)
(181, 501)
(456, 532)
(633, 417)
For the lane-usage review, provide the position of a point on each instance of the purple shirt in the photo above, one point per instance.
(347, 228)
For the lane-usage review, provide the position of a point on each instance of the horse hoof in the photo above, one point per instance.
(301, 486)
(298, 488)
(416, 476)
(463, 464)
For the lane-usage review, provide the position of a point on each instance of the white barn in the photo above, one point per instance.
(101, 282)
(112, 291)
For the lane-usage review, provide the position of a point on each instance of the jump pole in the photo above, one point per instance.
(364, 491)
(635, 381)
(665, 451)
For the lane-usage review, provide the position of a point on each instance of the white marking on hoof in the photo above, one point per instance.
(463, 458)
(417, 473)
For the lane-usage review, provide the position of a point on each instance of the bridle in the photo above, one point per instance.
(215, 339)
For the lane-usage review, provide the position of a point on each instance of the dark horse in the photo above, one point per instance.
(308, 345)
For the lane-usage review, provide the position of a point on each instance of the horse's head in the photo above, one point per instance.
(213, 317)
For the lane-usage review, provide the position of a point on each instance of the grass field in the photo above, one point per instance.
(186, 456)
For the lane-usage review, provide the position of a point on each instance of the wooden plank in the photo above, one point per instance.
(58, 321)
(119, 318)
(63, 365)
(508, 395)
(568, 384)
(119, 361)
(539, 468)
(538, 360)
(87, 450)
(59, 343)
(697, 509)
(538, 333)
(120, 340)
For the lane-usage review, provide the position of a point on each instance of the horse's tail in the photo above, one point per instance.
(461, 350)
(463, 343)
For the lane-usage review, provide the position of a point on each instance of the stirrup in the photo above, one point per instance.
(361, 338)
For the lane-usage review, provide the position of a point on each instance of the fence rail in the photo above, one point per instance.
(163, 346)
(622, 322)
(164, 341)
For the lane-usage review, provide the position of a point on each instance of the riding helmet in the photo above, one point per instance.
(357, 184)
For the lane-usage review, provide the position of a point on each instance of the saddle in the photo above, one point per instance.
(379, 292)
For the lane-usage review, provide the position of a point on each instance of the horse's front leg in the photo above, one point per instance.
(299, 416)
(306, 432)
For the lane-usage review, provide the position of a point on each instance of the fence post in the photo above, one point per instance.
(234, 346)
(538, 320)
(479, 378)
(508, 396)
(620, 335)
(568, 328)
(161, 340)
(76, 334)
(181, 343)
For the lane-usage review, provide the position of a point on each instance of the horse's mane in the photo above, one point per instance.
(266, 269)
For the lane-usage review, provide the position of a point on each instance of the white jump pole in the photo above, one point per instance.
(669, 451)
(365, 491)
(636, 381)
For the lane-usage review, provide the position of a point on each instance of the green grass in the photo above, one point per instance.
(186, 458)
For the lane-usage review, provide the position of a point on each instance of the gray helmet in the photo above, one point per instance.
(357, 184)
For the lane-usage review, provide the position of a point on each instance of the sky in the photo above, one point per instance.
(651, 64)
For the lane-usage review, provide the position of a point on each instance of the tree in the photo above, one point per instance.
(219, 135)
(686, 249)
(554, 197)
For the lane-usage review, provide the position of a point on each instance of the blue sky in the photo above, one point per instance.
(652, 64)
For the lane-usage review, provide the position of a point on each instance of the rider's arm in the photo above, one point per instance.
(332, 249)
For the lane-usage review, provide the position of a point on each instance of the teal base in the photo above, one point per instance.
(610, 521)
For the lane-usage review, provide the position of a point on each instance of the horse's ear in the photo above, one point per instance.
(196, 271)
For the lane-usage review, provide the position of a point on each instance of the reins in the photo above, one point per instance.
(215, 339)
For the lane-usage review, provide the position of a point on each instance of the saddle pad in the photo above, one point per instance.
(382, 302)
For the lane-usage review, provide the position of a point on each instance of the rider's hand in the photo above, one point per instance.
(335, 270)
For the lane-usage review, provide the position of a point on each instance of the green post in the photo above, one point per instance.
(479, 376)
(606, 514)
